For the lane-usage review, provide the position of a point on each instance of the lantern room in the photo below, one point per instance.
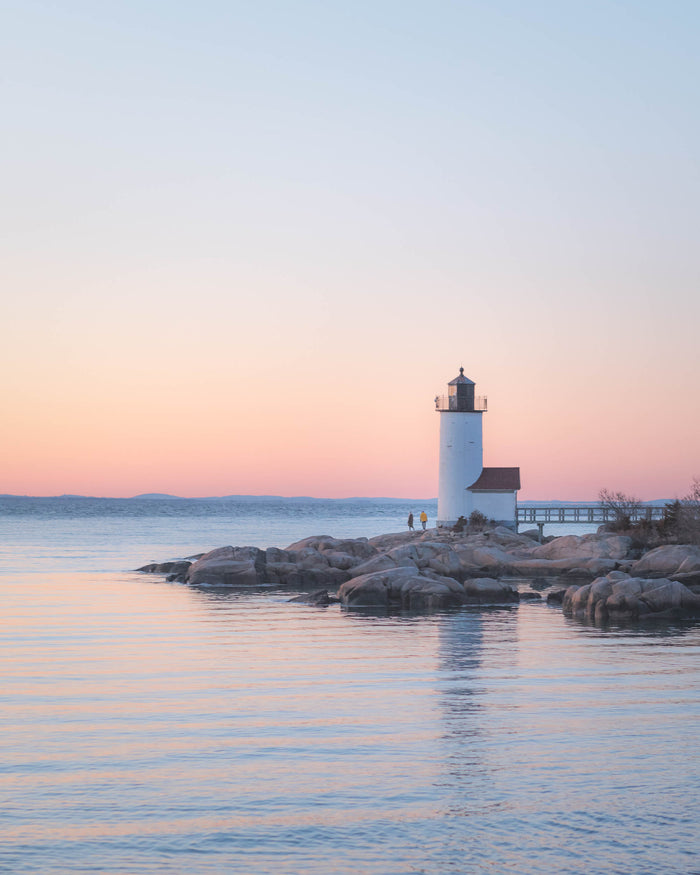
(460, 396)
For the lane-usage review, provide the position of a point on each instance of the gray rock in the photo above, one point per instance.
(249, 566)
(308, 557)
(284, 574)
(274, 555)
(618, 597)
(225, 566)
(358, 548)
(689, 578)
(338, 559)
(488, 591)
(290, 574)
(493, 558)
(438, 556)
(409, 588)
(319, 597)
(403, 587)
(382, 563)
(576, 547)
(670, 559)
(179, 566)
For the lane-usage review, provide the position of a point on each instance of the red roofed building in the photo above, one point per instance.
(497, 480)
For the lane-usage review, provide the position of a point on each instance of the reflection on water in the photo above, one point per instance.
(148, 727)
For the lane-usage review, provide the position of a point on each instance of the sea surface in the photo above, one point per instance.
(152, 728)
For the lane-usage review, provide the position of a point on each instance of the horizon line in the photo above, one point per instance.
(162, 496)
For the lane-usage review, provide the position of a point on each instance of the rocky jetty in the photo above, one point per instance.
(438, 568)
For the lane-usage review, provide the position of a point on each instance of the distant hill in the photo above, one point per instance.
(65, 495)
(311, 498)
(155, 495)
(164, 496)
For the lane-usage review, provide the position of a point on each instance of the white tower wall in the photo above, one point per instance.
(461, 462)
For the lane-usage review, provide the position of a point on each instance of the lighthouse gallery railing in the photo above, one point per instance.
(449, 402)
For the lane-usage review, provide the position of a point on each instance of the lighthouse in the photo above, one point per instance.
(464, 484)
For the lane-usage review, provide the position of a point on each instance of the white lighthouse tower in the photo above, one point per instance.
(464, 484)
(461, 448)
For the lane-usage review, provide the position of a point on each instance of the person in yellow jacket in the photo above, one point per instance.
(423, 518)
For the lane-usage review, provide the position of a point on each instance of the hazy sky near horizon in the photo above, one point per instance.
(245, 244)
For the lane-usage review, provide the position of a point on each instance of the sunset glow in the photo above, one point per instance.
(247, 246)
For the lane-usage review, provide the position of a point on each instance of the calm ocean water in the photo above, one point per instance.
(148, 727)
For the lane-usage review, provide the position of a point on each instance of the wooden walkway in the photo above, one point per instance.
(584, 514)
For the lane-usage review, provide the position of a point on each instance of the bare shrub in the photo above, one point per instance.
(623, 508)
(687, 521)
(693, 497)
(478, 520)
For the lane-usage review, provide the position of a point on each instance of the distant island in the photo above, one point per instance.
(159, 495)
(163, 496)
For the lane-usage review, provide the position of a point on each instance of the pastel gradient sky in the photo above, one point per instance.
(245, 244)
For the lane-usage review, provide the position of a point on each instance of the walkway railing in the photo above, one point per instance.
(584, 514)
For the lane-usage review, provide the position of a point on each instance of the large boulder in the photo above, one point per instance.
(668, 560)
(274, 554)
(358, 548)
(286, 574)
(249, 566)
(178, 566)
(496, 551)
(383, 562)
(586, 555)
(598, 546)
(408, 588)
(488, 591)
(302, 575)
(438, 556)
(617, 597)
(494, 559)
(329, 560)
(227, 566)
(309, 558)
(338, 559)
(384, 543)
(403, 587)
(508, 539)
(556, 567)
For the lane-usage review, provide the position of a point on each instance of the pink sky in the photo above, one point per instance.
(325, 436)
(252, 272)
